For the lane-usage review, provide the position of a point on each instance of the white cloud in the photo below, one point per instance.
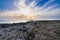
(26, 13)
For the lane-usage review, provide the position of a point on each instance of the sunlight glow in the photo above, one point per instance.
(24, 9)
(31, 11)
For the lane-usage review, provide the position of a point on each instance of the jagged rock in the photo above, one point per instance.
(33, 30)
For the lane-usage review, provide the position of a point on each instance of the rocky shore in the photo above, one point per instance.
(32, 30)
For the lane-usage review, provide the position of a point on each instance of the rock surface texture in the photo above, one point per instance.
(33, 30)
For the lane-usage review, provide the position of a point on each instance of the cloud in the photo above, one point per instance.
(25, 13)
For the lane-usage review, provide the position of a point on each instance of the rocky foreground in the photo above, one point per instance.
(33, 30)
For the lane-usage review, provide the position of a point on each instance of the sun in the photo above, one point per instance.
(25, 11)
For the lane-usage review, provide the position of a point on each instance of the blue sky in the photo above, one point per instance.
(9, 4)
(51, 8)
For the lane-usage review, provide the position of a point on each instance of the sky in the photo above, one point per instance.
(12, 11)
